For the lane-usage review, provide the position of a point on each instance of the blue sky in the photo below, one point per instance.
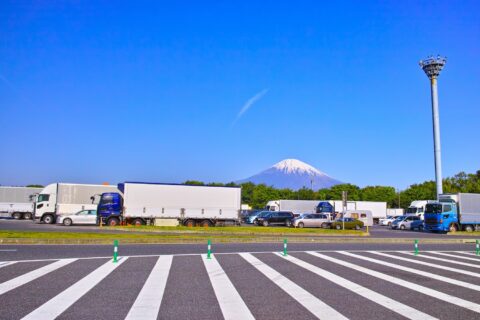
(151, 91)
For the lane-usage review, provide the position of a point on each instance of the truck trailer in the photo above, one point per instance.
(335, 207)
(17, 202)
(295, 206)
(67, 198)
(452, 212)
(142, 203)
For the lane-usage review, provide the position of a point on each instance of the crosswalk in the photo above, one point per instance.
(246, 285)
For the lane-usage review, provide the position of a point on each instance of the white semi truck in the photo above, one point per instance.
(17, 202)
(417, 208)
(170, 204)
(67, 198)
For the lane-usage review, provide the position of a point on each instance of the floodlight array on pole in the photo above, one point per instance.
(432, 67)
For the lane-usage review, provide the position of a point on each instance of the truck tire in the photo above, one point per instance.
(27, 216)
(67, 222)
(469, 228)
(453, 228)
(112, 222)
(138, 222)
(190, 223)
(206, 223)
(17, 215)
(48, 219)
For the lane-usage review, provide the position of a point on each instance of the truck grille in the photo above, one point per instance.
(431, 221)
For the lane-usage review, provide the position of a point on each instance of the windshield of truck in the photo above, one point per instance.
(412, 210)
(433, 208)
(43, 197)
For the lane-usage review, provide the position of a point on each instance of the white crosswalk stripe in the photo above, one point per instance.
(148, 302)
(410, 285)
(32, 275)
(230, 301)
(54, 307)
(320, 309)
(445, 260)
(454, 256)
(416, 271)
(431, 265)
(152, 295)
(408, 312)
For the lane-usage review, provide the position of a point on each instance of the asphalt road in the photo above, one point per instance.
(329, 285)
(375, 231)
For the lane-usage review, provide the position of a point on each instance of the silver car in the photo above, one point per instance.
(406, 222)
(312, 220)
(81, 217)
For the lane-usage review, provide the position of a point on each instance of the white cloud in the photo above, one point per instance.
(249, 104)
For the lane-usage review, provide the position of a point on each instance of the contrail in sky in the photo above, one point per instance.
(249, 104)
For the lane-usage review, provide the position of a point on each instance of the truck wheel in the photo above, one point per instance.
(138, 222)
(205, 223)
(190, 223)
(112, 222)
(452, 228)
(301, 225)
(48, 219)
(67, 222)
(265, 223)
(27, 216)
(17, 215)
(469, 228)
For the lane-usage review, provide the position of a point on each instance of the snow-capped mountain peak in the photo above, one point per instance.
(293, 174)
(296, 166)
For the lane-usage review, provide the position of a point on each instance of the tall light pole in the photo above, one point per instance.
(432, 67)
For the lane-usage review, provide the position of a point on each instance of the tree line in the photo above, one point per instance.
(257, 195)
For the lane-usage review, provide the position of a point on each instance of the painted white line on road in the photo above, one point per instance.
(148, 301)
(316, 306)
(445, 260)
(393, 305)
(61, 302)
(415, 271)
(468, 253)
(455, 256)
(432, 265)
(32, 275)
(230, 301)
(409, 285)
(6, 263)
(8, 250)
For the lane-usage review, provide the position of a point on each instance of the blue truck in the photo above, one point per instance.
(453, 212)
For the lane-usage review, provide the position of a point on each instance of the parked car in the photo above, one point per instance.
(350, 223)
(394, 224)
(417, 225)
(260, 214)
(405, 222)
(81, 217)
(388, 220)
(275, 218)
(248, 218)
(311, 220)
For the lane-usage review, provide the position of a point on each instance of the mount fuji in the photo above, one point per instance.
(293, 174)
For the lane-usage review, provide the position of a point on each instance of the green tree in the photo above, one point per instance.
(35, 186)
(335, 192)
(194, 183)
(379, 193)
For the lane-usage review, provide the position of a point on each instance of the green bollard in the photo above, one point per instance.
(209, 250)
(477, 248)
(284, 247)
(115, 251)
(416, 247)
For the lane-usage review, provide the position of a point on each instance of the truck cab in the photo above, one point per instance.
(45, 204)
(441, 216)
(110, 208)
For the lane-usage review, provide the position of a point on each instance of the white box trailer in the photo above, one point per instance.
(150, 203)
(395, 212)
(67, 198)
(295, 206)
(17, 202)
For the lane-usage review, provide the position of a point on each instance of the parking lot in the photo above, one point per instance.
(302, 285)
